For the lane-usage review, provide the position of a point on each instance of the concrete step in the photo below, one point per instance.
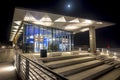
(72, 69)
(50, 59)
(62, 63)
(112, 75)
(91, 74)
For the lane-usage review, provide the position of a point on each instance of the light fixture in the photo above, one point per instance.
(16, 27)
(29, 17)
(61, 19)
(14, 30)
(75, 20)
(46, 18)
(18, 22)
(84, 29)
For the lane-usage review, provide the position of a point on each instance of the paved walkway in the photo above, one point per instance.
(7, 71)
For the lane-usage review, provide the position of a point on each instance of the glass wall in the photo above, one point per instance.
(39, 37)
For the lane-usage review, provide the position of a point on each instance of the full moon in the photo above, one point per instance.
(68, 5)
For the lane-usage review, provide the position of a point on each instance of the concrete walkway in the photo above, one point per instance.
(7, 71)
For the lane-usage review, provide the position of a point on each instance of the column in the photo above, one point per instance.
(92, 39)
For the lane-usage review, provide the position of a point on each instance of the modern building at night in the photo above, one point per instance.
(34, 30)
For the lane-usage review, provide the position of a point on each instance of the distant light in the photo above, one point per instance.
(68, 5)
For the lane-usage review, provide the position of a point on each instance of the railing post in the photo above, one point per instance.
(27, 70)
(19, 63)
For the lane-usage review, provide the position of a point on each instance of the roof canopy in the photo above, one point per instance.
(44, 19)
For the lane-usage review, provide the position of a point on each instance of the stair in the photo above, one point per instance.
(72, 69)
(91, 74)
(62, 63)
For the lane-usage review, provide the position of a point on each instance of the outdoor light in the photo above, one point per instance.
(102, 52)
(115, 55)
(107, 53)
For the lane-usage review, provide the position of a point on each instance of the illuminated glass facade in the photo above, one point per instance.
(36, 38)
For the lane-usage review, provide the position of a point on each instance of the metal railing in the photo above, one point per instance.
(111, 52)
(27, 69)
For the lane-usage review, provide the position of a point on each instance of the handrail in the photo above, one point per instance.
(34, 70)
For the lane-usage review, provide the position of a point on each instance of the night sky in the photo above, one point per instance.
(106, 10)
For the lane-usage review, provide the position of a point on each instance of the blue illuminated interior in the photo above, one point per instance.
(47, 38)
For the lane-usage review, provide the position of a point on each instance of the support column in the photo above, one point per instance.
(92, 39)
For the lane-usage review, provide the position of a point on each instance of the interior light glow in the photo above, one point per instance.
(61, 19)
(31, 36)
(18, 22)
(75, 20)
(84, 29)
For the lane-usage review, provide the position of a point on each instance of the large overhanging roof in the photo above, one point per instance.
(44, 19)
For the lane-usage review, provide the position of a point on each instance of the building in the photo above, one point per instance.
(34, 30)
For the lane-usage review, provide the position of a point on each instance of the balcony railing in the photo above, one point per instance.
(27, 69)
